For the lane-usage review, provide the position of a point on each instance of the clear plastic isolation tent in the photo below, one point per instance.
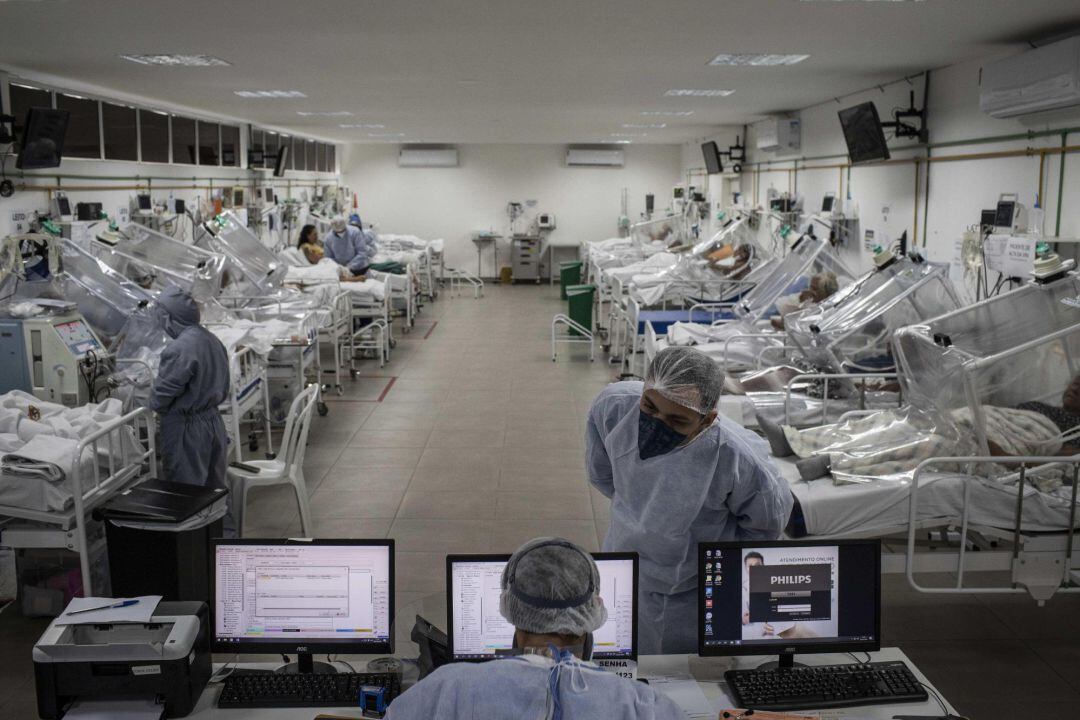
(154, 261)
(258, 264)
(852, 330)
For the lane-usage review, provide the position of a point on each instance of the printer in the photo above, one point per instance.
(167, 659)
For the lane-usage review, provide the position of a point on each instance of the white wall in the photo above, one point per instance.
(958, 189)
(452, 203)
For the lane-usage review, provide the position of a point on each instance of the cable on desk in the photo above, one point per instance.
(225, 670)
(944, 709)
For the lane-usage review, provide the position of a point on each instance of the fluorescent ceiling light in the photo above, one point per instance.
(386, 135)
(864, 0)
(269, 93)
(335, 113)
(667, 113)
(626, 135)
(177, 60)
(757, 59)
(698, 93)
(622, 142)
(645, 126)
(362, 126)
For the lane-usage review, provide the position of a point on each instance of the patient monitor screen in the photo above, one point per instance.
(787, 594)
(76, 335)
(285, 593)
(478, 630)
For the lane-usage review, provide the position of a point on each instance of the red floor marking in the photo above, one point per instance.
(387, 388)
(428, 333)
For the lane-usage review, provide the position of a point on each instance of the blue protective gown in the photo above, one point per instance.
(720, 486)
(519, 688)
(352, 249)
(192, 381)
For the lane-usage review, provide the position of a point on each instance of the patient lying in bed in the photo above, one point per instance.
(891, 442)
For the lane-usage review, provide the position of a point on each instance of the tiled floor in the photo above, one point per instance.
(477, 446)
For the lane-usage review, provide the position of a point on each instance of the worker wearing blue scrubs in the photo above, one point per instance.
(678, 474)
(192, 381)
(551, 595)
(347, 245)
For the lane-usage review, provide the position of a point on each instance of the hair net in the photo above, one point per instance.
(338, 223)
(686, 376)
(551, 585)
(177, 310)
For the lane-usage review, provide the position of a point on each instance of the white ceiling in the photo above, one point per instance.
(515, 71)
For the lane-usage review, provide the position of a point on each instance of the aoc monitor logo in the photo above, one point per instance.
(301, 649)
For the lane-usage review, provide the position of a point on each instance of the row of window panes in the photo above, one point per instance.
(127, 130)
(303, 154)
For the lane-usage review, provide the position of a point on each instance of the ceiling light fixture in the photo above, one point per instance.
(269, 93)
(362, 126)
(627, 135)
(386, 135)
(622, 142)
(177, 60)
(667, 113)
(335, 113)
(757, 59)
(644, 126)
(698, 93)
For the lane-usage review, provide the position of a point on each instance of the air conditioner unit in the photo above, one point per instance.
(779, 133)
(583, 157)
(1046, 78)
(428, 157)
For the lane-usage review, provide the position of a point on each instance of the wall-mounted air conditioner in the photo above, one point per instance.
(781, 133)
(416, 157)
(1046, 78)
(585, 157)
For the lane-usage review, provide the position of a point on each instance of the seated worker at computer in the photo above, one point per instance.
(551, 595)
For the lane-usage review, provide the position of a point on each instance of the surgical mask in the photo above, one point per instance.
(655, 437)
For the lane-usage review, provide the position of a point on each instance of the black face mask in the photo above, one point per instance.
(655, 437)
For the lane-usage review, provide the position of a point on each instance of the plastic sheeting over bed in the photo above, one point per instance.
(258, 264)
(154, 261)
(852, 329)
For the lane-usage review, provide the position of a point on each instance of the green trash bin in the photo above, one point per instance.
(569, 274)
(580, 299)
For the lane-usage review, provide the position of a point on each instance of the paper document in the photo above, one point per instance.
(687, 695)
(142, 709)
(140, 612)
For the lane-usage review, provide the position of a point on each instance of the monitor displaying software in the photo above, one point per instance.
(303, 596)
(477, 631)
(764, 597)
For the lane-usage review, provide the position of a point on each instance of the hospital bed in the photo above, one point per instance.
(112, 471)
(336, 334)
(154, 261)
(261, 270)
(249, 399)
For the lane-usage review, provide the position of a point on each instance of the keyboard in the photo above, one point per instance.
(303, 690)
(825, 686)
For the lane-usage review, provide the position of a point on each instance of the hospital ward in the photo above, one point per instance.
(560, 361)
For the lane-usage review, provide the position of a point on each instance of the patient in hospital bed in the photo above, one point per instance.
(896, 441)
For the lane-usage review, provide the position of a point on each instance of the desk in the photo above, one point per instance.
(708, 672)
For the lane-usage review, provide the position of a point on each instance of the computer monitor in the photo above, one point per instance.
(144, 202)
(303, 596)
(713, 163)
(43, 139)
(863, 133)
(282, 159)
(476, 631)
(269, 195)
(782, 597)
(827, 203)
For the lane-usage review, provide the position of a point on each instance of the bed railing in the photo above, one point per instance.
(826, 377)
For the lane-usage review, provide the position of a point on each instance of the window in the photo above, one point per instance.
(270, 145)
(121, 135)
(299, 161)
(209, 143)
(309, 150)
(256, 156)
(154, 136)
(84, 130)
(331, 158)
(320, 148)
(23, 98)
(230, 146)
(183, 140)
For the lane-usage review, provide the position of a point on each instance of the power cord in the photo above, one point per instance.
(225, 670)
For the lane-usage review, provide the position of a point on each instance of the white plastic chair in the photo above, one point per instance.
(286, 469)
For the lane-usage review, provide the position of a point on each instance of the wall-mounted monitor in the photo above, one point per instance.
(713, 163)
(863, 133)
(43, 139)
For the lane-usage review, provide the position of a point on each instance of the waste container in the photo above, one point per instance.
(569, 274)
(158, 537)
(580, 310)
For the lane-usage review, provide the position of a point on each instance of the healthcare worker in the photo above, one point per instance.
(551, 595)
(678, 474)
(192, 380)
(347, 246)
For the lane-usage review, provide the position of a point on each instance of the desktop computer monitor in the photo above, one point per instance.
(765, 598)
(303, 596)
(476, 630)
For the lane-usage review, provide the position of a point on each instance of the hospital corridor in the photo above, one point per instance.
(493, 359)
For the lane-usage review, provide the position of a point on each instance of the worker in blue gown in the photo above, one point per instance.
(192, 381)
(677, 474)
(550, 593)
(348, 246)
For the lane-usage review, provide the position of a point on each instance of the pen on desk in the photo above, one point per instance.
(124, 604)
